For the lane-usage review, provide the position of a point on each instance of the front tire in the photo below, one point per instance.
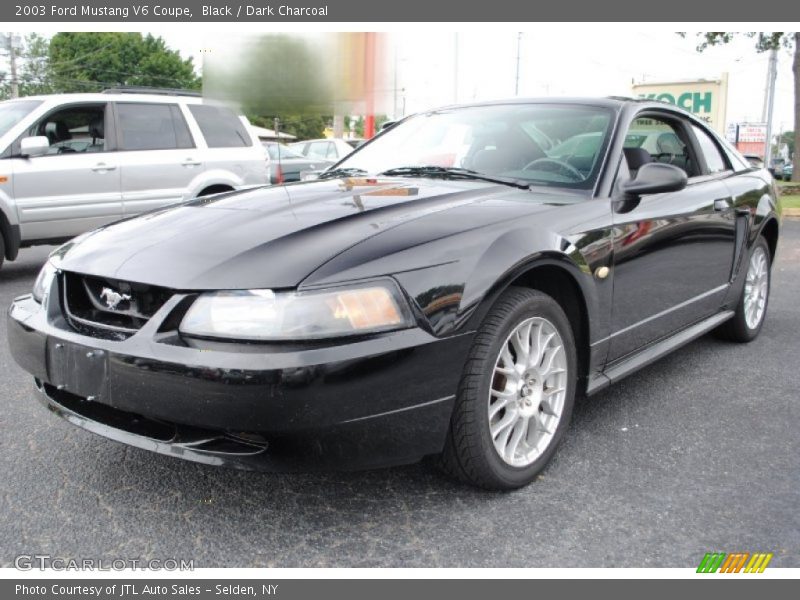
(516, 393)
(2, 249)
(751, 309)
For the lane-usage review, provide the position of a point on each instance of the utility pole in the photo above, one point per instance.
(276, 124)
(769, 103)
(11, 42)
(516, 78)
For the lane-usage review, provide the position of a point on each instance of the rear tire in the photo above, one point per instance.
(751, 309)
(2, 249)
(532, 391)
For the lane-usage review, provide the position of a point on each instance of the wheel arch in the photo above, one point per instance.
(559, 277)
(11, 237)
(770, 232)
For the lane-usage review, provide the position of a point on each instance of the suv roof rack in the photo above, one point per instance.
(141, 89)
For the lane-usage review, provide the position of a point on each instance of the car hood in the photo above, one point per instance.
(271, 237)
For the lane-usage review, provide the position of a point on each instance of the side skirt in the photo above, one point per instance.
(653, 352)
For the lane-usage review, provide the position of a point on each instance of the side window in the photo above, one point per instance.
(333, 151)
(714, 160)
(150, 127)
(220, 127)
(651, 139)
(318, 149)
(72, 130)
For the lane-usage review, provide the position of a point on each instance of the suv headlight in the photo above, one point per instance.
(283, 316)
(45, 279)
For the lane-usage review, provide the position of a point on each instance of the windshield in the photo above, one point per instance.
(539, 144)
(13, 111)
(285, 152)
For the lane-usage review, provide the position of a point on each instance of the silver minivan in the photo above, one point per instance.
(72, 162)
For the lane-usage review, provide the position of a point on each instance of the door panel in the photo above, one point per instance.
(64, 195)
(154, 178)
(158, 156)
(673, 255)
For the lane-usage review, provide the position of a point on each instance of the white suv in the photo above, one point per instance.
(73, 162)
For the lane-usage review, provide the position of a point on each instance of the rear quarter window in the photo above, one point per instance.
(220, 127)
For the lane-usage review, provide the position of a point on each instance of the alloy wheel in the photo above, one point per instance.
(528, 390)
(756, 288)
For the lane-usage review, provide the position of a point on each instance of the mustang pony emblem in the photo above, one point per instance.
(113, 298)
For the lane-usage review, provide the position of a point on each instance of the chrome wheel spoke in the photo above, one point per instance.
(519, 431)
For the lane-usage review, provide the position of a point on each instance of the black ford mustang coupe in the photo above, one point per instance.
(447, 289)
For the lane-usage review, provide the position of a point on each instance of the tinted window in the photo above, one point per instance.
(220, 127)
(149, 127)
(714, 159)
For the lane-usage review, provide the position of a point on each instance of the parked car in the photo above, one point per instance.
(418, 299)
(333, 149)
(73, 162)
(788, 169)
(286, 164)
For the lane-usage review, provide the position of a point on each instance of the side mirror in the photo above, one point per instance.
(655, 178)
(34, 146)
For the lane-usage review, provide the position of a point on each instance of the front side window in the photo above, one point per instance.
(539, 144)
(714, 160)
(220, 127)
(145, 126)
(78, 129)
(653, 139)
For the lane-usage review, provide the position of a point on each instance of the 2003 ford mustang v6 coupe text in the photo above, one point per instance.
(447, 289)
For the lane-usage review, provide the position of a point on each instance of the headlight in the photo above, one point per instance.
(282, 316)
(45, 278)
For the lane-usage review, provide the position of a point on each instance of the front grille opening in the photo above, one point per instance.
(108, 308)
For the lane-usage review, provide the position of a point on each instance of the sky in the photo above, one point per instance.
(555, 61)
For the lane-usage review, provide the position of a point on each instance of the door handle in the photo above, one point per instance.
(722, 204)
(191, 163)
(103, 167)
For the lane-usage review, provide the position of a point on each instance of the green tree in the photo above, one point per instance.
(91, 61)
(768, 40)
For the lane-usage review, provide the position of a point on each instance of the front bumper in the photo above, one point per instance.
(367, 403)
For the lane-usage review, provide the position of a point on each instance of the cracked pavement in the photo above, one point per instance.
(698, 452)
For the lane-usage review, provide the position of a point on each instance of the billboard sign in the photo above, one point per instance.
(707, 99)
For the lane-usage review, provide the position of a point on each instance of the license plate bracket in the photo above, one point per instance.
(77, 369)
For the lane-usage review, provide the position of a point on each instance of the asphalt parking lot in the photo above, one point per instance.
(699, 452)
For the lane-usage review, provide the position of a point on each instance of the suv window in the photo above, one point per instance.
(220, 127)
(144, 126)
(75, 129)
(714, 160)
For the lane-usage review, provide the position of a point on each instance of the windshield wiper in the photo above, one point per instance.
(455, 173)
(345, 172)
